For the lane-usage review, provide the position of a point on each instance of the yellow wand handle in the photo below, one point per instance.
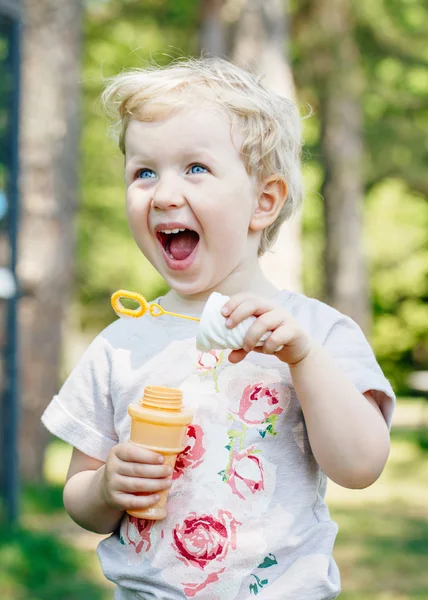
(155, 310)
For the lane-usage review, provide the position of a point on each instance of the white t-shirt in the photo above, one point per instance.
(246, 511)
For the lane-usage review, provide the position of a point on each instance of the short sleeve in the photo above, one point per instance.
(348, 345)
(82, 413)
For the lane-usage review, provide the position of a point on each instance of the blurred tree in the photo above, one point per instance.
(213, 28)
(393, 63)
(393, 37)
(254, 34)
(397, 240)
(49, 148)
(334, 64)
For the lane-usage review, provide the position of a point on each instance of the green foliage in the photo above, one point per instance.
(397, 242)
(37, 563)
(313, 230)
(43, 498)
(39, 566)
(391, 37)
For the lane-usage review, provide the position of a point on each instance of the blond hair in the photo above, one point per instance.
(269, 124)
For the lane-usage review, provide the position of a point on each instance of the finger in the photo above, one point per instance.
(236, 356)
(132, 485)
(279, 338)
(267, 322)
(235, 301)
(130, 452)
(248, 308)
(134, 501)
(130, 469)
(261, 350)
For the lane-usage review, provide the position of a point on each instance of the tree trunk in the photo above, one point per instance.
(256, 33)
(212, 38)
(339, 81)
(49, 149)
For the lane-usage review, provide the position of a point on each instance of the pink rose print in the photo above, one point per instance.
(207, 361)
(245, 473)
(191, 589)
(258, 404)
(191, 457)
(135, 534)
(207, 364)
(201, 540)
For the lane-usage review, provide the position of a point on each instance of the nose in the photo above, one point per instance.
(168, 193)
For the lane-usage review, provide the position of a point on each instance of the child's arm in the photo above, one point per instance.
(96, 494)
(348, 434)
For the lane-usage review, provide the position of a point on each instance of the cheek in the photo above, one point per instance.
(230, 208)
(233, 220)
(136, 209)
(232, 232)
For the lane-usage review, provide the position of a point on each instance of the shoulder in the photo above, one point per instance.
(119, 335)
(316, 317)
(127, 332)
(119, 332)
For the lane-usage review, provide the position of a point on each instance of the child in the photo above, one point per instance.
(211, 171)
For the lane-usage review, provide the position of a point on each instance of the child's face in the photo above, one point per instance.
(185, 172)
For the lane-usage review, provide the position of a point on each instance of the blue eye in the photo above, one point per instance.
(198, 169)
(145, 174)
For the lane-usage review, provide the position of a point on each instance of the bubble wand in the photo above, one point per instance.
(213, 332)
(154, 309)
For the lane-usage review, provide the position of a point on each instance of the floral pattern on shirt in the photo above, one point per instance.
(135, 535)
(208, 363)
(199, 553)
(258, 403)
(203, 538)
(193, 453)
(222, 483)
(245, 474)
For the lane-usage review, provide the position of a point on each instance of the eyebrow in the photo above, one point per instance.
(188, 154)
(201, 154)
(136, 158)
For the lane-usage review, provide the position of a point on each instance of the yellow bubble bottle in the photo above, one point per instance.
(159, 423)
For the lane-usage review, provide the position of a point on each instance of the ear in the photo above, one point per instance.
(272, 196)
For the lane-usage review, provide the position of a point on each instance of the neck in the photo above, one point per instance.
(251, 280)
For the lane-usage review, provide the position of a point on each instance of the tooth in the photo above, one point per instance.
(169, 231)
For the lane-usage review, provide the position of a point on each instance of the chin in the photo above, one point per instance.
(187, 289)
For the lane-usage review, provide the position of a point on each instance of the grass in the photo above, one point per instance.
(41, 558)
(382, 546)
(40, 566)
(381, 549)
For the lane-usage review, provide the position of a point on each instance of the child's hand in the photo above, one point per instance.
(287, 341)
(131, 470)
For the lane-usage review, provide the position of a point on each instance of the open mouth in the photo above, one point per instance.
(179, 244)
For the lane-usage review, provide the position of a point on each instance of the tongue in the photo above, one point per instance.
(183, 244)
